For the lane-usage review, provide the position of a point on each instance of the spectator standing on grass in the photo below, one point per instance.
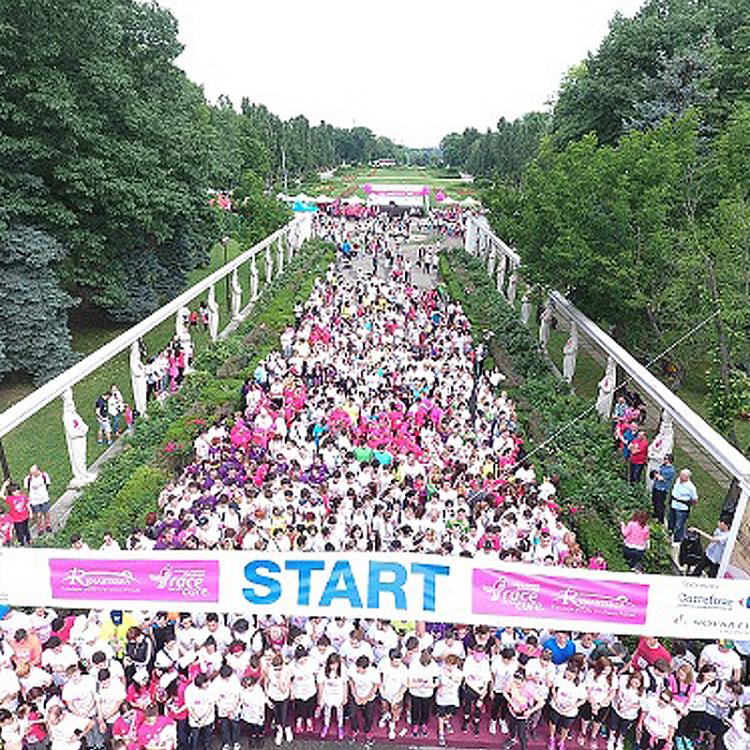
(638, 457)
(635, 538)
(18, 510)
(714, 551)
(663, 479)
(684, 496)
(37, 484)
(115, 408)
(101, 409)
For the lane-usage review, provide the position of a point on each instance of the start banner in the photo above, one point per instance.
(372, 585)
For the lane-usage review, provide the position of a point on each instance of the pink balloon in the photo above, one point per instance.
(439, 196)
(367, 188)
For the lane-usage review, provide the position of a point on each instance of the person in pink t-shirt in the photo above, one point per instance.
(635, 538)
(19, 511)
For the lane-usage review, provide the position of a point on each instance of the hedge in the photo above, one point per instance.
(128, 485)
(594, 494)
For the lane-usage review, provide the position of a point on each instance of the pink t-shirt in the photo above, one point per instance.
(635, 535)
(18, 507)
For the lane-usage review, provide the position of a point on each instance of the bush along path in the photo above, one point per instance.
(593, 494)
(128, 486)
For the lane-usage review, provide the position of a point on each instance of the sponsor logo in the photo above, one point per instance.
(705, 601)
(135, 579)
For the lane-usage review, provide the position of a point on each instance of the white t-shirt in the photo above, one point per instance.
(392, 679)
(737, 736)
(80, 696)
(449, 683)
(253, 708)
(657, 719)
(362, 682)
(304, 684)
(477, 673)
(333, 691)
(200, 705)
(599, 689)
(227, 696)
(422, 678)
(37, 488)
(567, 697)
(63, 735)
(725, 662)
(109, 699)
(502, 671)
(627, 702)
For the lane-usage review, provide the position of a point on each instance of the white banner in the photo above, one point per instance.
(389, 586)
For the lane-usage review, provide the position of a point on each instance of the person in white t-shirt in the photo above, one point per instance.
(423, 677)
(503, 666)
(568, 695)
(66, 729)
(279, 692)
(601, 686)
(625, 708)
(332, 693)
(394, 677)
(253, 704)
(477, 680)
(737, 737)
(363, 687)
(447, 695)
(227, 689)
(304, 689)
(657, 722)
(79, 695)
(201, 707)
(724, 658)
(37, 484)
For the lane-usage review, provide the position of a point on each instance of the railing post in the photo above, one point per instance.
(471, 229)
(491, 258)
(269, 265)
(75, 437)
(138, 379)
(213, 313)
(182, 331)
(570, 354)
(289, 245)
(236, 289)
(280, 253)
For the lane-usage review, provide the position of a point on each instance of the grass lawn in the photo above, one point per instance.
(41, 438)
(347, 182)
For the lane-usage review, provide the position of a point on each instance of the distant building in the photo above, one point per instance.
(384, 163)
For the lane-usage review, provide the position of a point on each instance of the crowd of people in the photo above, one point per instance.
(374, 428)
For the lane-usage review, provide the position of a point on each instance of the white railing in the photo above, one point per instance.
(271, 254)
(503, 263)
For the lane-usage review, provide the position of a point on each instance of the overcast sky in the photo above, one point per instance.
(413, 70)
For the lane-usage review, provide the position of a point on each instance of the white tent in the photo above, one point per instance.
(470, 202)
(448, 201)
(324, 199)
(355, 200)
(284, 197)
(302, 198)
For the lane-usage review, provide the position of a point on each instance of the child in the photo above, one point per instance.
(332, 693)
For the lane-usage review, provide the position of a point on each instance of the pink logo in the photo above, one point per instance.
(514, 594)
(144, 580)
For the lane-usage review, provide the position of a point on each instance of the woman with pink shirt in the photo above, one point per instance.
(635, 538)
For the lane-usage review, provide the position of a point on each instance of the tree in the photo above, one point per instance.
(34, 334)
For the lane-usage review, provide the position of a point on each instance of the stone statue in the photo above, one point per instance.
(512, 287)
(213, 314)
(607, 389)
(75, 437)
(181, 322)
(525, 308)
(138, 378)
(660, 446)
(236, 290)
(502, 267)
(570, 354)
(545, 324)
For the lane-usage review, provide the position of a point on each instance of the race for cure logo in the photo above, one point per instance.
(509, 594)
